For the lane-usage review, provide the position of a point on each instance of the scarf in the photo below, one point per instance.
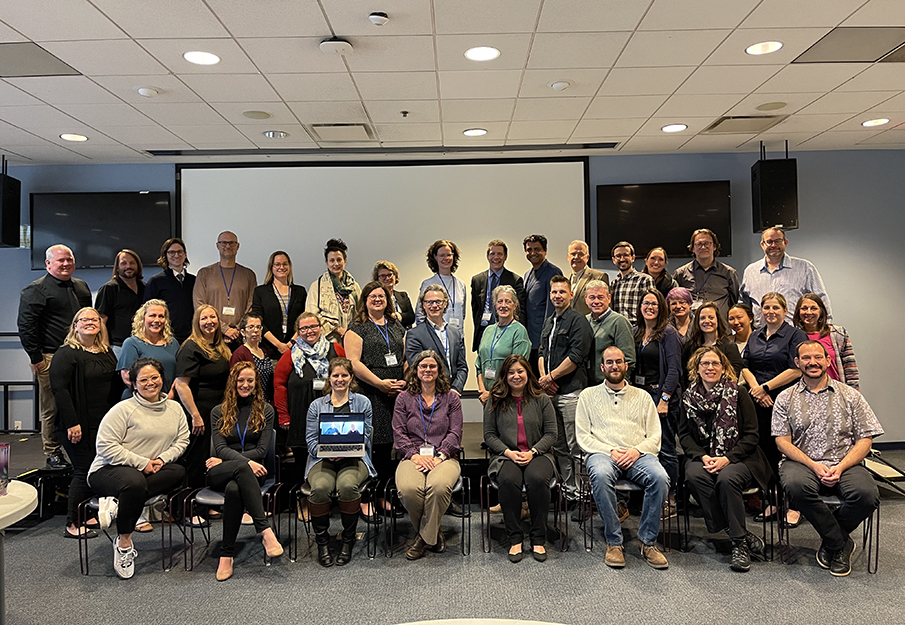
(315, 355)
(343, 284)
(718, 406)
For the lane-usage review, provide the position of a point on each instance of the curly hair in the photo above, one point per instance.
(229, 409)
(413, 383)
(432, 253)
(695, 362)
(501, 394)
(138, 321)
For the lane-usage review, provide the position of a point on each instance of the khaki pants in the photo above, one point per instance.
(426, 495)
(47, 409)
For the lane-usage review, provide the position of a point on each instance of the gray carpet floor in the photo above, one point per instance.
(43, 584)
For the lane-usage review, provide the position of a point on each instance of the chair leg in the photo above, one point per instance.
(872, 539)
(484, 487)
(466, 513)
(83, 541)
(564, 510)
(782, 532)
(390, 529)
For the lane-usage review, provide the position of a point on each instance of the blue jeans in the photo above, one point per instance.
(648, 473)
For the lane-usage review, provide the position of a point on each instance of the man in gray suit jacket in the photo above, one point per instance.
(579, 255)
(483, 312)
(437, 335)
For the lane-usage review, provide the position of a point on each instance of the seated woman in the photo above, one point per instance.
(343, 476)
(520, 431)
(138, 443)
(427, 432)
(718, 431)
(241, 431)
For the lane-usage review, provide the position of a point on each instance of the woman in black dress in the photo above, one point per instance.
(278, 302)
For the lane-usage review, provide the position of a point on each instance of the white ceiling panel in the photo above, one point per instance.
(291, 55)
(181, 114)
(607, 139)
(696, 14)
(410, 144)
(232, 111)
(162, 19)
(51, 154)
(297, 138)
(467, 111)
(52, 134)
(8, 35)
(33, 117)
(615, 107)
(313, 87)
(895, 104)
(553, 130)
(452, 133)
(397, 85)
(644, 81)
(534, 109)
(406, 53)
(838, 140)
(12, 136)
(576, 50)
(390, 111)
(109, 57)
(221, 133)
(408, 132)
(11, 95)
(233, 59)
(890, 137)
(453, 17)
(65, 90)
(807, 123)
(780, 14)
(698, 105)
(713, 79)
(794, 42)
(170, 88)
(54, 20)
(847, 102)
(406, 18)
(695, 125)
(853, 124)
(794, 103)
(570, 16)
(717, 143)
(230, 87)
(486, 84)
(148, 138)
(652, 145)
(115, 152)
(241, 143)
(271, 18)
(879, 13)
(600, 129)
(879, 77)
(777, 143)
(670, 49)
(583, 82)
(350, 112)
(811, 77)
(513, 51)
(103, 116)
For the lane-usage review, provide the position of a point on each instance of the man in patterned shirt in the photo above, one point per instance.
(824, 430)
(629, 286)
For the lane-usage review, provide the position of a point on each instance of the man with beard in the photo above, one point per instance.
(118, 299)
(618, 427)
(824, 430)
(629, 286)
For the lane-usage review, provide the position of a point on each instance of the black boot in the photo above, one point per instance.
(349, 513)
(320, 521)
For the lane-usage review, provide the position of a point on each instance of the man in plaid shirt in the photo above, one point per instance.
(629, 286)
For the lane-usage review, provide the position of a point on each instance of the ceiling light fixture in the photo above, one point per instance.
(335, 45)
(201, 58)
(674, 128)
(764, 47)
(275, 134)
(560, 85)
(870, 123)
(482, 53)
(379, 18)
(474, 132)
(771, 106)
(148, 92)
(72, 137)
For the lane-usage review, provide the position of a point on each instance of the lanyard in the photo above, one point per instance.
(242, 435)
(230, 287)
(496, 339)
(385, 333)
(431, 420)
(709, 273)
(283, 302)
(451, 293)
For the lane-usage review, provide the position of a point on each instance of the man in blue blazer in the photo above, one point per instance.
(437, 335)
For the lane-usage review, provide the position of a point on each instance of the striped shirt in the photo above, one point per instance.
(793, 278)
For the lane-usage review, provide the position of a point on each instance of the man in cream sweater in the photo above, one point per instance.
(618, 427)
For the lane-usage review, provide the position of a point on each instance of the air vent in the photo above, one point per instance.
(747, 125)
(29, 59)
(854, 45)
(342, 132)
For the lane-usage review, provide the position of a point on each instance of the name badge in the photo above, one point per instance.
(490, 374)
(284, 329)
(639, 380)
(486, 316)
(391, 360)
(454, 322)
(229, 311)
(319, 385)
(426, 450)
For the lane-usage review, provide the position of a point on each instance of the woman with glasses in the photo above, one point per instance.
(387, 274)
(500, 340)
(278, 303)
(679, 301)
(434, 333)
(252, 327)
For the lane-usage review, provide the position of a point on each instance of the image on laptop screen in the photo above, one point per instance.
(341, 428)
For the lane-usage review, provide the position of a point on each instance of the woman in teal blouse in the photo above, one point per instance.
(507, 336)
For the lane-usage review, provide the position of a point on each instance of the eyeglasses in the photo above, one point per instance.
(94, 320)
(385, 276)
(253, 328)
(308, 328)
(703, 244)
(433, 302)
(711, 364)
(649, 305)
(426, 366)
(149, 380)
(621, 256)
(772, 241)
(175, 252)
(377, 297)
(613, 363)
(227, 243)
(281, 265)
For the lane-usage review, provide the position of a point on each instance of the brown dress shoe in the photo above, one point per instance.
(417, 549)
(440, 545)
(654, 556)
(615, 556)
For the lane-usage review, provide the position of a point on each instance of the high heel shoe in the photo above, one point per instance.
(225, 574)
(273, 551)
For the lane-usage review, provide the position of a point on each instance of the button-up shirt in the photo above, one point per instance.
(767, 357)
(46, 309)
(539, 306)
(628, 291)
(719, 284)
(116, 301)
(793, 278)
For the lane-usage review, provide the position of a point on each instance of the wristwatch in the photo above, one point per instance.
(765, 387)
(664, 397)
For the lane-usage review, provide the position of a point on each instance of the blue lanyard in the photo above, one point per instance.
(452, 294)
(709, 273)
(284, 303)
(230, 287)
(385, 333)
(496, 339)
(242, 435)
(431, 420)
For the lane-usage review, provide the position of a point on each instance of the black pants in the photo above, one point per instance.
(199, 450)
(856, 489)
(536, 476)
(133, 488)
(241, 491)
(81, 455)
(720, 495)
(764, 429)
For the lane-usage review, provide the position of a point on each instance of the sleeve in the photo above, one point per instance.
(412, 346)
(733, 286)
(815, 285)
(491, 432)
(461, 366)
(522, 295)
(798, 337)
(779, 422)
(62, 376)
(692, 449)
(110, 436)
(401, 438)
(242, 354)
(105, 300)
(31, 306)
(866, 424)
(476, 298)
(583, 436)
(252, 285)
(651, 443)
(672, 351)
(419, 312)
(259, 452)
(281, 375)
(181, 442)
(129, 354)
(551, 430)
(580, 339)
(624, 340)
(544, 336)
(730, 348)
(151, 286)
(681, 277)
(748, 435)
(847, 356)
(221, 448)
(188, 361)
(311, 428)
(452, 442)
(257, 307)
(521, 342)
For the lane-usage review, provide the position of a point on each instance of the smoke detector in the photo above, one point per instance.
(335, 45)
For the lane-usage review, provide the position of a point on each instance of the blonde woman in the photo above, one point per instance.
(152, 337)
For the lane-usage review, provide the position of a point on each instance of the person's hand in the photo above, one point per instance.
(150, 468)
(520, 458)
(548, 384)
(38, 367)
(766, 401)
(197, 426)
(257, 468)
(210, 463)
(158, 464)
(625, 458)
(283, 347)
(74, 433)
(395, 386)
(662, 408)
(715, 464)
(758, 393)
(424, 463)
(484, 396)
(231, 333)
(284, 426)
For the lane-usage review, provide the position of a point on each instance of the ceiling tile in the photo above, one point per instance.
(410, 144)
(13, 96)
(232, 112)
(713, 79)
(230, 87)
(532, 109)
(583, 82)
(777, 143)
(298, 137)
(350, 112)
(8, 35)
(106, 153)
(613, 107)
(169, 52)
(65, 90)
(698, 105)
(271, 18)
(569, 16)
(408, 132)
(893, 104)
(879, 77)
(452, 133)
(53, 20)
(794, 42)
(239, 143)
(837, 140)
(890, 137)
(847, 102)
(553, 130)
(600, 129)
(807, 123)
(576, 50)
(777, 13)
(291, 55)
(644, 81)
(102, 116)
(220, 133)
(147, 137)
(397, 85)
(513, 51)
(878, 13)
(479, 84)
(717, 143)
(52, 133)
(110, 57)
(406, 17)
(170, 88)
(162, 19)
(390, 111)
(49, 154)
(454, 17)
(32, 117)
(470, 111)
(818, 77)
(670, 49)
(695, 125)
(794, 103)
(188, 114)
(853, 124)
(652, 145)
(405, 53)
(313, 87)
(11, 136)
(696, 14)
(600, 139)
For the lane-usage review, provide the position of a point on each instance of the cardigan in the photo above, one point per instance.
(357, 403)
(264, 302)
(501, 429)
(85, 386)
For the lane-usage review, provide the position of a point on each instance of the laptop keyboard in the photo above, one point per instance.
(335, 448)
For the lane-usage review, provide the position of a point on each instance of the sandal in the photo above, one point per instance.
(144, 527)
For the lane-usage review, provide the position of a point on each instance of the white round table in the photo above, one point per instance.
(20, 500)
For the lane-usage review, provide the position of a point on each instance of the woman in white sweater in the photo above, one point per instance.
(138, 443)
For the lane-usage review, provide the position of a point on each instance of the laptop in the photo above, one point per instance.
(341, 435)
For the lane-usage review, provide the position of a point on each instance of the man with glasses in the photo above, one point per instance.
(780, 273)
(582, 275)
(708, 279)
(437, 335)
(629, 286)
(174, 285)
(47, 307)
(228, 287)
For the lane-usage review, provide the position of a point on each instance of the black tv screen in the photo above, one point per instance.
(662, 214)
(98, 225)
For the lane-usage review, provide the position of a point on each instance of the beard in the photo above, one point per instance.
(615, 377)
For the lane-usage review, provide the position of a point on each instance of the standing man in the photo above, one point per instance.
(46, 309)
(618, 427)
(227, 286)
(174, 285)
(118, 299)
(537, 288)
(609, 329)
(483, 312)
(582, 275)
(564, 345)
(629, 286)
(824, 430)
(708, 279)
(779, 272)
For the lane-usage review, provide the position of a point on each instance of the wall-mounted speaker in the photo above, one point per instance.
(774, 193)
(10, 210)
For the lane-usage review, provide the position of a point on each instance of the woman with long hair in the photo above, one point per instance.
(655, 266)
(278, 303)
(709, 329)
(812, 317)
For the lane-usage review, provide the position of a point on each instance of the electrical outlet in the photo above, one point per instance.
(17, 425)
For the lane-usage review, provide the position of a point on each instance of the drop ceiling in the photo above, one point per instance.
(632, 67)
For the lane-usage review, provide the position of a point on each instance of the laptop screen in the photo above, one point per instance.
(341, 428)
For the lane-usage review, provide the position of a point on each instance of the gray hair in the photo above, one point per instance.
(437, 289)
(597, 284)
(48, 255)
(505, 288)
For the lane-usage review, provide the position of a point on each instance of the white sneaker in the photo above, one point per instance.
(107, 508)
(124, 560)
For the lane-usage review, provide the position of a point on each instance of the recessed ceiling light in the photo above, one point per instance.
(474, 132)
(674, 128)
(201, 58)
(482, 53)
(256, 114)
(275, 134)
(870, 123)
(148, 92)
(764, 47)
(71, 137)
(560, 85)
(772, 106)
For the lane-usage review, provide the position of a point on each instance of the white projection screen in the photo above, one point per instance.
(383, 212)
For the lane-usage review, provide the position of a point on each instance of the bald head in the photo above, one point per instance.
(578, 255)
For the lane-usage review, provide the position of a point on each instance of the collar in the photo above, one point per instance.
(578, 275)
(610, 391)
(783, 264)
(61, 283)
(696, 265)
(601, 317)
(631, 272)
(498, 274)
(802, 388)
(435, 326)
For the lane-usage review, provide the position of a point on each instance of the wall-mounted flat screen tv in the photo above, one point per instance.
(662, 214)
(98, 225)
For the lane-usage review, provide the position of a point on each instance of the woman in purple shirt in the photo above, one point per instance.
(427, 432)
